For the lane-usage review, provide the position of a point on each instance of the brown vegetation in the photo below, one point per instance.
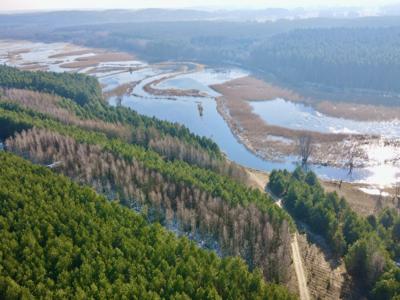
(260, 137)
(362, 203)
(94, 60)
(360, 112)
(184, 68)
(107, 69)
(251, 129)
(149, 87)
(49, 104)
(123, 89)
(305, 147)
(326, 278)
(236, 95)
(14, 55)
(243, 231)
(79, 64)
(34, 67)
(71, 53)
(166, 145)
(253, 89)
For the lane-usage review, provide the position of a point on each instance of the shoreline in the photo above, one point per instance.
(273, 143)
(269, 142)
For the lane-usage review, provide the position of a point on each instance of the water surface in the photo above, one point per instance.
(298, 116)
(185, 110)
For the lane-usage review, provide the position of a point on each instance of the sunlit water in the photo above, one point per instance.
(287, 114)
(185, 110)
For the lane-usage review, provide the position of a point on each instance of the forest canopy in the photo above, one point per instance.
(208, 203)
(61, 240)
(343, 58)
(370, 246)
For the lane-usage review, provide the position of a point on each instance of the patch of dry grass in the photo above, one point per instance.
(71, 53)
(253, 89)
(94, 60)
(362, 203)
(121, 90)
(360, 112)
(236, 96)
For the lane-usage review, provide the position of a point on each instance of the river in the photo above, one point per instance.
(185, 110)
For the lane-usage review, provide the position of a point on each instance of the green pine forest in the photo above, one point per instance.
(63, 241)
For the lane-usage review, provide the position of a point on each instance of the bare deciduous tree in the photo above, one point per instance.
(305, 148)
(397, 195)
(350, 163)
(238, 230)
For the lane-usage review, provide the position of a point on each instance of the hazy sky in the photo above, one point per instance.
(9, 5)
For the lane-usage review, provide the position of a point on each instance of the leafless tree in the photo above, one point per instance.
(397, 195)
(379, 203)
(305, 148)
(350, 163)
(119, 101)
(241, 230)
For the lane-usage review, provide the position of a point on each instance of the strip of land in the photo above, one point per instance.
(274, 142)
(94, 60)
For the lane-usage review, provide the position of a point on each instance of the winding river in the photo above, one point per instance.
(186, 110)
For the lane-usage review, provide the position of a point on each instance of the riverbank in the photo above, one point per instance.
(362, 198)
(259, 90)
(153, 89)
(243, 134)
(273, 142)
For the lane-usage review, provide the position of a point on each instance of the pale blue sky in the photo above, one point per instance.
(8, 5)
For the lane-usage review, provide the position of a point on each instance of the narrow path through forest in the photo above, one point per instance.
(297, 261)
(298, 266)
(296, 256)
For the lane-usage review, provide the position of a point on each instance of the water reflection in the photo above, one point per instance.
(208, 122)
(300, 116)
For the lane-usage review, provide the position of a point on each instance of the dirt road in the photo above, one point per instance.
(260, 180)
(298, 266)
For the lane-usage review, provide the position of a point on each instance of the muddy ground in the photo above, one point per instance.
(272, 142)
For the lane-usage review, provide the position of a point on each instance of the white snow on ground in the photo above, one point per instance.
(373, 191)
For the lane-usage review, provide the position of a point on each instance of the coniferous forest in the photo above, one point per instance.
(60, 240)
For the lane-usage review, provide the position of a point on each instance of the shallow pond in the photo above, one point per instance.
(292, 115)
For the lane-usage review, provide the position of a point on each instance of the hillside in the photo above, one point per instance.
(370, 246)
(335, 58)
(97, 145)
(62, 240)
